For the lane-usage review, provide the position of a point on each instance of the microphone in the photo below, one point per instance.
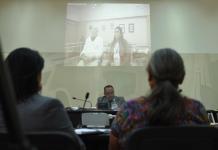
(79, 99)
(86, 97)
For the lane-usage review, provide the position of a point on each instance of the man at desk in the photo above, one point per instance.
(109, 101)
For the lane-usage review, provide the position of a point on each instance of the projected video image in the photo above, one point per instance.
(107, 34)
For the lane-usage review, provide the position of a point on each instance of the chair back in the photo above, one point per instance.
(212, 116)
(174, 138)
(43, 141)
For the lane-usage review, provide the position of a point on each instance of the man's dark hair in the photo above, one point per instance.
(108, 86)
(25, 66)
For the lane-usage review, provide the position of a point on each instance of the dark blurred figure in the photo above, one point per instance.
(36, 112)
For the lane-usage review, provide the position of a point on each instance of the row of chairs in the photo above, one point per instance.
(213, 116)
(155, 138)
(150, 138)
(174, 138)
(42, 141)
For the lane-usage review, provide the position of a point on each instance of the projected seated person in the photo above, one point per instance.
(36, 112)
(92, 51)
(119, 53)
(109, 100)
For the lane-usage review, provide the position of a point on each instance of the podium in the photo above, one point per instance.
(76, 115)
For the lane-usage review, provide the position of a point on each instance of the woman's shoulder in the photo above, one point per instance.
(196, 111)
(193, 104)
(46, 101)
(136, 103)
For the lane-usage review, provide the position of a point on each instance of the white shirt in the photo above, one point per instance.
(93, 49)
(116, 55)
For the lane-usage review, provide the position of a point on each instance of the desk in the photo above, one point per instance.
(93, 141)
(75, 115)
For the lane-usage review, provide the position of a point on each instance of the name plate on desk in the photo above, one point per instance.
(95, 119)
(81, 131)
(76, 115)
(81, 110)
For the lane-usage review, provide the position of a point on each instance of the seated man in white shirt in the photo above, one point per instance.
(92, 51)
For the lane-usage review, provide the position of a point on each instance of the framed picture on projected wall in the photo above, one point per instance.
(131, 27)
(122, 27)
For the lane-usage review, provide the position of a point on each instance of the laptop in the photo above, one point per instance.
(103, 106)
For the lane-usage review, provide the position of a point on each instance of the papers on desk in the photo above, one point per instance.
(214, 125)
(111, 116)
(81, 131)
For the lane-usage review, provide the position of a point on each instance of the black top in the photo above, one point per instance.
(40, 113)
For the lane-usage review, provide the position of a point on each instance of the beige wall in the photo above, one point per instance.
(190, 26)
(200, 81)
(34, 23)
